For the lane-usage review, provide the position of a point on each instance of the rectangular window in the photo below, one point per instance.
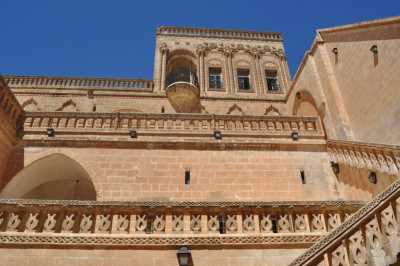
(243, 76)
(272, 80)
(214, 78)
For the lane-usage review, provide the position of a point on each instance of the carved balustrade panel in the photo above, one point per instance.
(134, 220)
(185, 123)
(371, 236)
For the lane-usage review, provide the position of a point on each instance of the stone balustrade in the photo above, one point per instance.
(38, 222)
(308, 127)
(382, 158)
(368, 237)
(77, 83)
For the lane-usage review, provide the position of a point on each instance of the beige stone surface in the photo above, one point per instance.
(56, 257)
(151, 174)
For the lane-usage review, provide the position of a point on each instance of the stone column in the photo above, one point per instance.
(258, 75)
(163, 64)
(201, 54)
(229, 55)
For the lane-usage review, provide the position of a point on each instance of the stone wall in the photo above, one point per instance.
(355, 92)
(79, 257)
(10, 118)
(216, 175)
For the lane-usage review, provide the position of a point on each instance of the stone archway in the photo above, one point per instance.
(55, 177)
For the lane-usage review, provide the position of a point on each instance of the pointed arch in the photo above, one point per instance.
(68, 106)
(305, 105)
(55, 176)
(271, 110)
(235, 109)
(30, 105)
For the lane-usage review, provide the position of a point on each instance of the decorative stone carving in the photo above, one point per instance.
(195, 223)
(103, 223)
(121, 223)
(86, 224)
(213, 224)
(284, 224)
(13, 222)
(50, 223)
(31, 222)
(300, 223)
(266, 224)
(159, 224)
(141, 223)
(333, 221)
(317, 223)
(177, 223)
(231, 224)
(68, 223)
(248, 223)
(358, 253)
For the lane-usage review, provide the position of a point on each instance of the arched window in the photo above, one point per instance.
(53, 177)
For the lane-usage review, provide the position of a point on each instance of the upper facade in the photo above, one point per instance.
(193, 68)
(223, 63)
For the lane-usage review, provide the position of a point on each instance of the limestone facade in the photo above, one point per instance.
(220, 152)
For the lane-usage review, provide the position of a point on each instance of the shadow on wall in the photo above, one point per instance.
(55, 177)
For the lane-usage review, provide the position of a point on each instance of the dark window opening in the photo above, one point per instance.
(274, 225)
(221, 221)
(243, 76)
(272, 80)
(303, 177)
(187, 177)
(215, 78)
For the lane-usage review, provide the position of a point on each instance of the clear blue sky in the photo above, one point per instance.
(115, 38)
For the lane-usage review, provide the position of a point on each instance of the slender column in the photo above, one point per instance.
(229, 55)
(201, 71)
(164, 51)
(227, 75)
(263, 89)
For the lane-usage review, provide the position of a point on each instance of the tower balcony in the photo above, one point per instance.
(183, 91)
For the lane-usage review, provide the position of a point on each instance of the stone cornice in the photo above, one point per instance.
(375, 157)
(218, 33)
(77, 83)
(326, 205)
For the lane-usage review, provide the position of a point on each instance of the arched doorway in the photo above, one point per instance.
(55, 177)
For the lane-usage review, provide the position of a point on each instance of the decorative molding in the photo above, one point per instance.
(375, 157)
(78, 83)
(172, 125)
(218, 33)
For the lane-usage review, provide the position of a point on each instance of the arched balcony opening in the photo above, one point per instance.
(181, 82)
(55, 177)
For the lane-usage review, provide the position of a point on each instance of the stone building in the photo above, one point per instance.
(221, 159)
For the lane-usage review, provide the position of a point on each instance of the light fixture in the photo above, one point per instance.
(217, 134)
(372, 178)
(374, 49)
(184, 256)
(335, 168)
(133, 133)
(335, 50)
(51, 132)
(295, 135)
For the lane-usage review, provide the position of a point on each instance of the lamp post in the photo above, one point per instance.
(184, 256)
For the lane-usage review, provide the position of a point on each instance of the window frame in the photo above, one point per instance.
(238, 77)
(277, 78)
(221, 75)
